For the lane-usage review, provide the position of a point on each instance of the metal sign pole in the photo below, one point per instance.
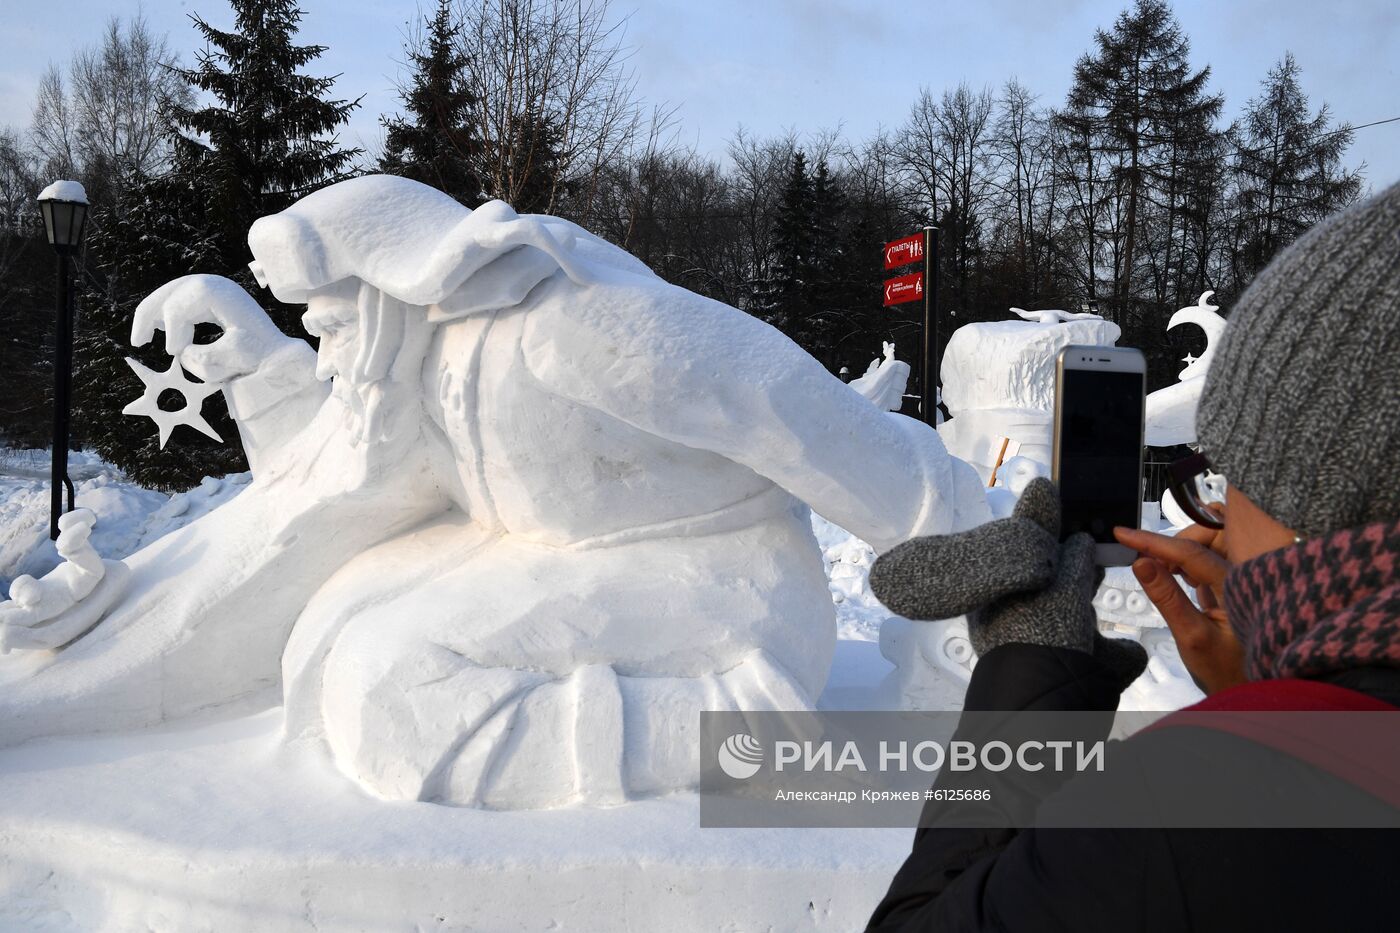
(928, 405)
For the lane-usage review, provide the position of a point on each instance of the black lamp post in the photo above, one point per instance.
(65, 206)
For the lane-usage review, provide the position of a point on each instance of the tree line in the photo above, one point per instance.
(1132, 193)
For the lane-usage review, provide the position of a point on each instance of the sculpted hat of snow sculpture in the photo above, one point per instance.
(549, 508)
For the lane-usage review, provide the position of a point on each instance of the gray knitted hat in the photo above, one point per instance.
(1301, 408)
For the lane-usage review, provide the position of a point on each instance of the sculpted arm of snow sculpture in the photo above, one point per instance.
(269, 380)
(703, 374)
(206, 610)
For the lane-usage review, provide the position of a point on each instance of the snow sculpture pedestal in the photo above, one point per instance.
(216, 827)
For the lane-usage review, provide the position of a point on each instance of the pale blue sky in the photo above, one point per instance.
(809, 64)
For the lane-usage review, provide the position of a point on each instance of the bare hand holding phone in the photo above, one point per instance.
(1208, 646)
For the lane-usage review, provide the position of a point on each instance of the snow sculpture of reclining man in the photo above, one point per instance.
(549, 509)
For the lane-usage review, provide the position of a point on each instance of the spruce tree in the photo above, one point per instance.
(435, 142)
(534, 165)
(1289, 173)
(157, 231)
(1134, 97)
(781, 297)
(834, 308)
(267, 138)
(820, 288)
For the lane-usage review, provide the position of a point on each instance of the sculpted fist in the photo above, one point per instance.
(70, 599)
(249, 336)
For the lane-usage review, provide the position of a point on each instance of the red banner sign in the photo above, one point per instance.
(904, 288)
(904, 251)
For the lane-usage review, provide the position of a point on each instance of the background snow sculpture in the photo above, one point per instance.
(1012, 477)
(998, 380)
(547, 507)
(999, 383)
(1124, 610)
(884, 381)
(932, 661)
(1171, 412)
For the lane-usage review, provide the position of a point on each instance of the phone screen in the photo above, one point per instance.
(1100, 451)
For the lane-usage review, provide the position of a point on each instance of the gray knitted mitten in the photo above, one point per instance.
(944, 576)
(1013, 580)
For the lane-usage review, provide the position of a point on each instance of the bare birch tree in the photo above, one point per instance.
(555, 99)
(105, 120)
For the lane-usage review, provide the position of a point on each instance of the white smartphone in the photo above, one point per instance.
(1100, 410)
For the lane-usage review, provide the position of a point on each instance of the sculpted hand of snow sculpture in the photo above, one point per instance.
(172, 379)
(550, 508)
(257, 366)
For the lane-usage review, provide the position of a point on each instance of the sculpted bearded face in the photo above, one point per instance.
(371, 349)
(332, 316)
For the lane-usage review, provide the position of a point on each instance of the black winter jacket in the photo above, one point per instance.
(1123, 880)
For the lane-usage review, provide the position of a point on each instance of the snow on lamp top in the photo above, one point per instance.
(64, 191)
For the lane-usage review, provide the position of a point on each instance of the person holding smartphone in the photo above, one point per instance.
(1297, 579)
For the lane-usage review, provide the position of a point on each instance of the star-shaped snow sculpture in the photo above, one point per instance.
(173, 378)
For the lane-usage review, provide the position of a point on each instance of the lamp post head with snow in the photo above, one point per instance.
(64, 205)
